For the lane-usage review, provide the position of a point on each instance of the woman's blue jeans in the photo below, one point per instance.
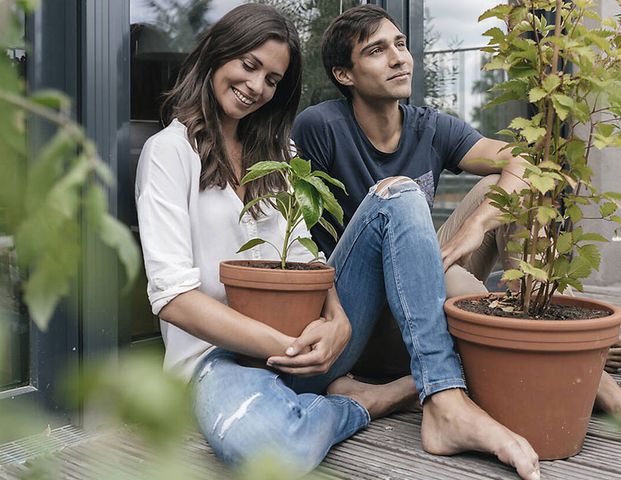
(388, 253)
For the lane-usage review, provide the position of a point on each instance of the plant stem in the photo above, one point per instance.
(288, 230)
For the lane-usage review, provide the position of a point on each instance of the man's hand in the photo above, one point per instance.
(613, 361)
(467, 239)
(316, 349)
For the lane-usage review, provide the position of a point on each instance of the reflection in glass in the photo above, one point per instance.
(14, 324)
(163, 32)
(456, 83)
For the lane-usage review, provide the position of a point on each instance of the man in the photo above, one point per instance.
(369, 136)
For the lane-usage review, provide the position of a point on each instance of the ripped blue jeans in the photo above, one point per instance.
(388, 254)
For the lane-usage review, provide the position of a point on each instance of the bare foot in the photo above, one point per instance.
(379, 400)
(608, 395)
(613, 359)
(453, 423)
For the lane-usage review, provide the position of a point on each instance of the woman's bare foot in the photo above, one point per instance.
(379, 400)
(608, 395)
(453, 423)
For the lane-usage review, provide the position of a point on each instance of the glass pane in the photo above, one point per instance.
(14, 324)
(456, 84)
(162, 33)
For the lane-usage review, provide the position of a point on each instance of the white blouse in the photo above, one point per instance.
(186, 233)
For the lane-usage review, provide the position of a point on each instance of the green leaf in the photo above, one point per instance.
(538, 273)
(328, 227)
(261, 169)
(309, 200)
(542, 183)
(283, 200)
(562, 105)
(612, 195)
(545, 214)
(96, 205)
(574, 150)
(253, 202)
(50, 277)
(309, 245)
(551, 82)
(607, 209)
(117, 236)
(591, 254)
(592, 237)
(329, 179)
(564, 243)
(497, 35)
(250, 244)
(536, 94)
(329, 201)
(301, 167)
(533, 134)
(514, 247)
(580, 267)
(575, 213)
(512, 274)
(52, 99)
(561, 266)
(520, 122)
(499, 11)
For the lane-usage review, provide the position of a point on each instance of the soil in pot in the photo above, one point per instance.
(508, 307)
(277, 266)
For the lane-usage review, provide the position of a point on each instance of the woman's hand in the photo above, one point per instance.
(613, 361)
(317, 348)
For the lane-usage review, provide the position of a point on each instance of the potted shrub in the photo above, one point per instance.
(537, 375)
(285, 295)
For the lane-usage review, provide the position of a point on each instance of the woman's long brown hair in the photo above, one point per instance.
(265, 133)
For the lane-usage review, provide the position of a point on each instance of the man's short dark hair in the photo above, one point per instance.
(352, 26)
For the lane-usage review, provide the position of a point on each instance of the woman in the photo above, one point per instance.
(233, 105)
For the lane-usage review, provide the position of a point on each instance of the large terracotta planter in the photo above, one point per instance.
(537, 377)
(287, 300)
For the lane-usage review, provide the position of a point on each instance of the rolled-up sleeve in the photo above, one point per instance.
(163, 190)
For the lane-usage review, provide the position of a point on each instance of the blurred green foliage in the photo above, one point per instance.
(49, 194)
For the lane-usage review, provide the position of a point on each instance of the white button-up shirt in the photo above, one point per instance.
(186, 233)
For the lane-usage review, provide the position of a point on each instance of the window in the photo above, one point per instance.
(456, 84)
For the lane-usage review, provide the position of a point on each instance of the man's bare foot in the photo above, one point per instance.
(453, 423)
(379, 400)
(613, 359)
(608, 395)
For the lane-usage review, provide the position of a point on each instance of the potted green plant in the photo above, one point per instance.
(536, 375)
(285, 295)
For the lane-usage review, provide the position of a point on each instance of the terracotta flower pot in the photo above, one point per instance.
(287, 300)
(539, 378)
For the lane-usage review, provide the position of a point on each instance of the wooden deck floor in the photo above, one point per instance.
(389, 449)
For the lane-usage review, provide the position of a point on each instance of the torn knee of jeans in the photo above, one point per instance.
(387, 188)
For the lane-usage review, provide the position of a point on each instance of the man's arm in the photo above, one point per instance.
(486, 217)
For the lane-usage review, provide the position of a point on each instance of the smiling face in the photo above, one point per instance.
(243, 85)
(382, 66)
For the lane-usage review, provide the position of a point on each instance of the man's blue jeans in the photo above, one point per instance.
(388, 253)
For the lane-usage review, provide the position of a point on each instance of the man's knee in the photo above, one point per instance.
(383, 187)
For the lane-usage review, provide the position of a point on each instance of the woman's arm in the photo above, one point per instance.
(208, 319)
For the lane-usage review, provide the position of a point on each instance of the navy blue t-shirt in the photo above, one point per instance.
(329, 135)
